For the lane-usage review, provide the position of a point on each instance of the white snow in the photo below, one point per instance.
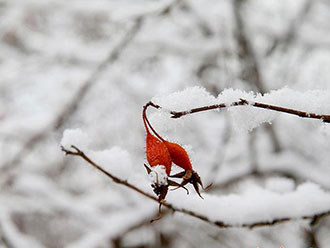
(115, 160)
(245, 118)
(158, 175)
(280, 184)
(75, 137)
(257, 204)
(49, 48)
(186, 99)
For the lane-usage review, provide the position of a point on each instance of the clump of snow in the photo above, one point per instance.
(280, 184)
(256, 204)
(163, 122)
(75, 137)
(115, 160)
(158, 175)
(230, 95)
(186, 99)
(313, 101)
(245, 118)
(178, 101)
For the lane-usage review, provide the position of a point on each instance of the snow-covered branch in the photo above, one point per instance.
(242, 102)
(313, 218)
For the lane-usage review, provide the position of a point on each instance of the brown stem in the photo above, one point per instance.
(242, 102)
(314, 219)
(145, 119)
(79, 153)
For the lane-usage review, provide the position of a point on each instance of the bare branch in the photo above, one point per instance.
(79, 153)
(313, 218)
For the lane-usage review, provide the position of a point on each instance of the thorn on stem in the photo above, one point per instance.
(78, 152)
(243, 101)
(208, 187)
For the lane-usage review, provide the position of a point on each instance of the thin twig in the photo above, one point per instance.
(242, 102)
(313, 218)
(78, 152)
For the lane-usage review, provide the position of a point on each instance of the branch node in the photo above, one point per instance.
(243, 101)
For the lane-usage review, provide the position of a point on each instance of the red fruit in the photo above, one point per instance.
(157, 153)
(156, 150)
(178, 155)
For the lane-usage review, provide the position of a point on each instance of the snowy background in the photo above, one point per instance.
(86, 68)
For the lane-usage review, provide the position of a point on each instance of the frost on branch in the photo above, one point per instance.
(245, 117)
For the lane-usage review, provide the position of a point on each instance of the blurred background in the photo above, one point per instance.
(94, 64)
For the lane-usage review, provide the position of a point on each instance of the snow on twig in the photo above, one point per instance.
(242, 102)
(313, 218)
